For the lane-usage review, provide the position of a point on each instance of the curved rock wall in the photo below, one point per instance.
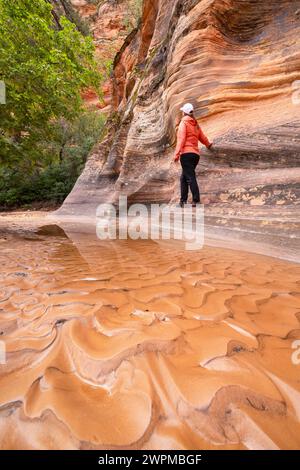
(107, 20)
(238, 62)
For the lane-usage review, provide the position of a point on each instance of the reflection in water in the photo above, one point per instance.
(134, 344)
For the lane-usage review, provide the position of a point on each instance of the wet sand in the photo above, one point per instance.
(141, 345)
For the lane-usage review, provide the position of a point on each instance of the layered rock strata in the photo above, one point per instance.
(238, 62)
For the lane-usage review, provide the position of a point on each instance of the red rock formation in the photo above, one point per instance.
(238, 62)
(172, 352)
(107, 22)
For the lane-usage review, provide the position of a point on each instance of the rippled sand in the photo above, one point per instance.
(134, 344)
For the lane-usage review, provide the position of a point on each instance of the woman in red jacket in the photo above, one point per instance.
(188, 135)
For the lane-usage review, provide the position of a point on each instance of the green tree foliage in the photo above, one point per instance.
(44, 70)
(45, 133)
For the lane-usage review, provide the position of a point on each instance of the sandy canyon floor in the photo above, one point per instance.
(137, 344)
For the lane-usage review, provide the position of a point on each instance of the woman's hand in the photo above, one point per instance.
(210, 146)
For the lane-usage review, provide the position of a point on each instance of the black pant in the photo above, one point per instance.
(189, 161)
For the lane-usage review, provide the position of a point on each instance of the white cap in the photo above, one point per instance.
(187, 108)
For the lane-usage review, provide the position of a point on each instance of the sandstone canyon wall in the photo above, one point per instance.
(238, 62)
(108, 22)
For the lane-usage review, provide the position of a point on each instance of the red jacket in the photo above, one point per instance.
(188, 135)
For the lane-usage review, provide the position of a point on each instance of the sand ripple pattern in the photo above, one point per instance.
(139, 345)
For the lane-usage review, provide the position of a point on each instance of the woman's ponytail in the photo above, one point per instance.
(196, 122)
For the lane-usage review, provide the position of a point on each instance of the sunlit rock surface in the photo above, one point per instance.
(108, 22)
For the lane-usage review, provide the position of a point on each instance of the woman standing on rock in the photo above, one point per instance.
(188, 135)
